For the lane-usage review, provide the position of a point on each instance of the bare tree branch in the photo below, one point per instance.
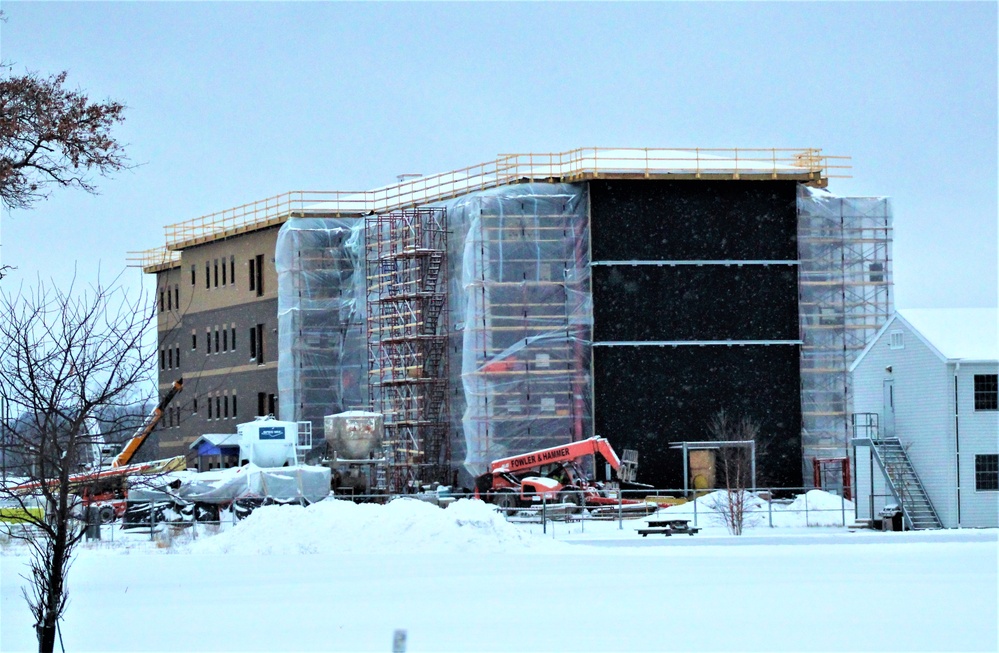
(53, 136)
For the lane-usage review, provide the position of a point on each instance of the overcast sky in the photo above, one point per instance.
(229, 103)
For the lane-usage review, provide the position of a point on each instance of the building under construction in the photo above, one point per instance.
(539, 299)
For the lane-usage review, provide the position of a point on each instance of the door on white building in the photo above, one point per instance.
(888, 414)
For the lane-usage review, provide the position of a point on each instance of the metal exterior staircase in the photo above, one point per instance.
(917, 510)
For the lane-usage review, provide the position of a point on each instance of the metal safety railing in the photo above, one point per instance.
(808, 164)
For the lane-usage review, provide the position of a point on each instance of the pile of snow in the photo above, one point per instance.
(813, 508)
(403, 525)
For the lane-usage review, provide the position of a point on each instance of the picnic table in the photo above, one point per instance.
(668, 527)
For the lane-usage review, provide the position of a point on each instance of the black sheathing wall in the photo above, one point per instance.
(649, 396)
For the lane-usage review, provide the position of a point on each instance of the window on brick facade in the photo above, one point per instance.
(193, 275)
(208, 341)
(232, 269)
(260, 275)
(216, 341)
(194, 341)
(176, 355)
(162, 301)
(253, 274)
(209, 402)
(225, 339)
(208, 274)
(224, 275)
(176, 296)
(987, 472)
(234, 413)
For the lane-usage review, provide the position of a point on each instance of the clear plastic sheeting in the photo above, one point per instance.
(321, 339)
(307, 482)
(845, 296)
(521, 320)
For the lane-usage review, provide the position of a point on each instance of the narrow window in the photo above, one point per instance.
(216, 340)
(232, 340)
(162, 360)
(234, 413)
(895, 340)
(253, 274)
(194, 406)
(176, 296)
(253, 344)
(224, 280)
(260, 275)
(169, 298)
(209, 408)
(225, 404)
(987, 472)
(170, 359)
(225, 339)
(232, 269)
(177, 356)
(261, 403)
(271, 405)
(208, 274)
(216, 273)
(192, 274)
(208, 340)
(218, 407)
(194, 342)
(987, 392)
(161, 300)
(260, 344)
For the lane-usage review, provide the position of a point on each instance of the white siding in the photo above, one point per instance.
(979, 434)
(923, 413)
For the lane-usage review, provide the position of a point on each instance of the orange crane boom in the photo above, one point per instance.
(132, 446)
(562, 453)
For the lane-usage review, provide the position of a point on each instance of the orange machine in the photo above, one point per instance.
(555, 475)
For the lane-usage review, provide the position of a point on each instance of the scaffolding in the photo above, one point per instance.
(845, 296)
(407, 337)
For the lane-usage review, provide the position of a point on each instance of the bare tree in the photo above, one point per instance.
(737, 465)
(64, 356)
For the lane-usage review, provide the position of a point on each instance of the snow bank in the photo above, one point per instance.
(403, 525)
(813, 508)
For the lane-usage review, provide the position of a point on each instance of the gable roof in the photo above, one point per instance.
(968, 334)
(217, 439)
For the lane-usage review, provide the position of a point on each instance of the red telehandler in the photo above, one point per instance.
(555, 475)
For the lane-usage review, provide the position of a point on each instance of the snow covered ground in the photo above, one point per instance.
(342, 577)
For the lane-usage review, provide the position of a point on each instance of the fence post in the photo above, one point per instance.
(770, 506)
(842, 506)
(695, 509)
(806, 507)
(544, 514)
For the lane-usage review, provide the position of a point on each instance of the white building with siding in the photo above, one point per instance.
(929, 378)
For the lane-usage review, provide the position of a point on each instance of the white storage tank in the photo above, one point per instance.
(267, 442)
